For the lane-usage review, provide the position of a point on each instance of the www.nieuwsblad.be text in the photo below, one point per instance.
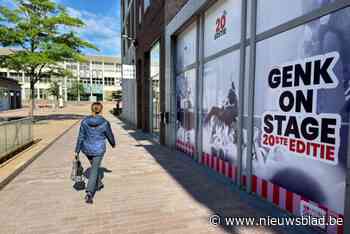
(321, 222)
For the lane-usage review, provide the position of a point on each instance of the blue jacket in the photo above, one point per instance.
(94, 130)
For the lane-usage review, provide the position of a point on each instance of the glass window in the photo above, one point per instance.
(44, 94)
(118, 67)
(140, 14)
(128, 71)
(186, 111)
(84, 66)
(27, 93)
(186, 47)
(155, 89)
(249, 4)
(222, 26)
(155, 60)
(146, 4)
(296, 101)
(97, 81)
(85, 80)
(220, 107)
(72, 66)
(109, 81)
(272, 13)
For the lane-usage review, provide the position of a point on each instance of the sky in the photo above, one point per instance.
(102, 19)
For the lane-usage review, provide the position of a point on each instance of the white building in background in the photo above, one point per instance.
(129, 94)
(100, 75)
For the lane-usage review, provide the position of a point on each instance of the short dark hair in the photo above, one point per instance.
(96, 107)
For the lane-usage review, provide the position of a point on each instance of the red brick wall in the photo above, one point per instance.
(172, 8)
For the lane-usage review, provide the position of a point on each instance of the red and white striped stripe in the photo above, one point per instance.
(225, 168)
(273, 193)
(185, 147)
(289, 201)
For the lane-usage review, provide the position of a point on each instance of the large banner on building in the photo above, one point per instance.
(186, 50)
(280, 12)
(186, 47)
(301, 111)
(186, 114)
(222, 26)
(220, 113)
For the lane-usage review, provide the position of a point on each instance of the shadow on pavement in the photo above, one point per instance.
(212, 190)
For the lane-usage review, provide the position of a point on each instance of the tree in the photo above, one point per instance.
(76, 89)
(54, 90)
(43, 32)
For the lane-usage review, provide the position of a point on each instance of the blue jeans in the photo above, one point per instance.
(95, 175)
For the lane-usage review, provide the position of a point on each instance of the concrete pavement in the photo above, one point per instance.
(49, 126)
(45, 133)
(148, 189)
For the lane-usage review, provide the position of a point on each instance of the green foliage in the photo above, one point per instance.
(43, 32)
(54, 89)
(76, 89)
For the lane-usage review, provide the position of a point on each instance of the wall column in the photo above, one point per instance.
(23, 88)
(90, 69)
(103, 81)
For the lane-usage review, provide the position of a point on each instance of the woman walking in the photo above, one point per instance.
(94, 130)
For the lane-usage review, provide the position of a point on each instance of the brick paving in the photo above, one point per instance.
(69, 110)
(148, 189)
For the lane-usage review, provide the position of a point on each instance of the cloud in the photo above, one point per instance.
(101, 30)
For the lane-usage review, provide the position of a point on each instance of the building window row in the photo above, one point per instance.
(85, 73)
(96, 63)
(72, 67)
(97, 73)
(109, 81)
(85, 80)
(3, 74)
(97, 81)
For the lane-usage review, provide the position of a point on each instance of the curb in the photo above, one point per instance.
(21, 168)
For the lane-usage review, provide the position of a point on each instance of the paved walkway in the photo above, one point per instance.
(48, 127)
(70, 111)
(148, 189)
(45, 133)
